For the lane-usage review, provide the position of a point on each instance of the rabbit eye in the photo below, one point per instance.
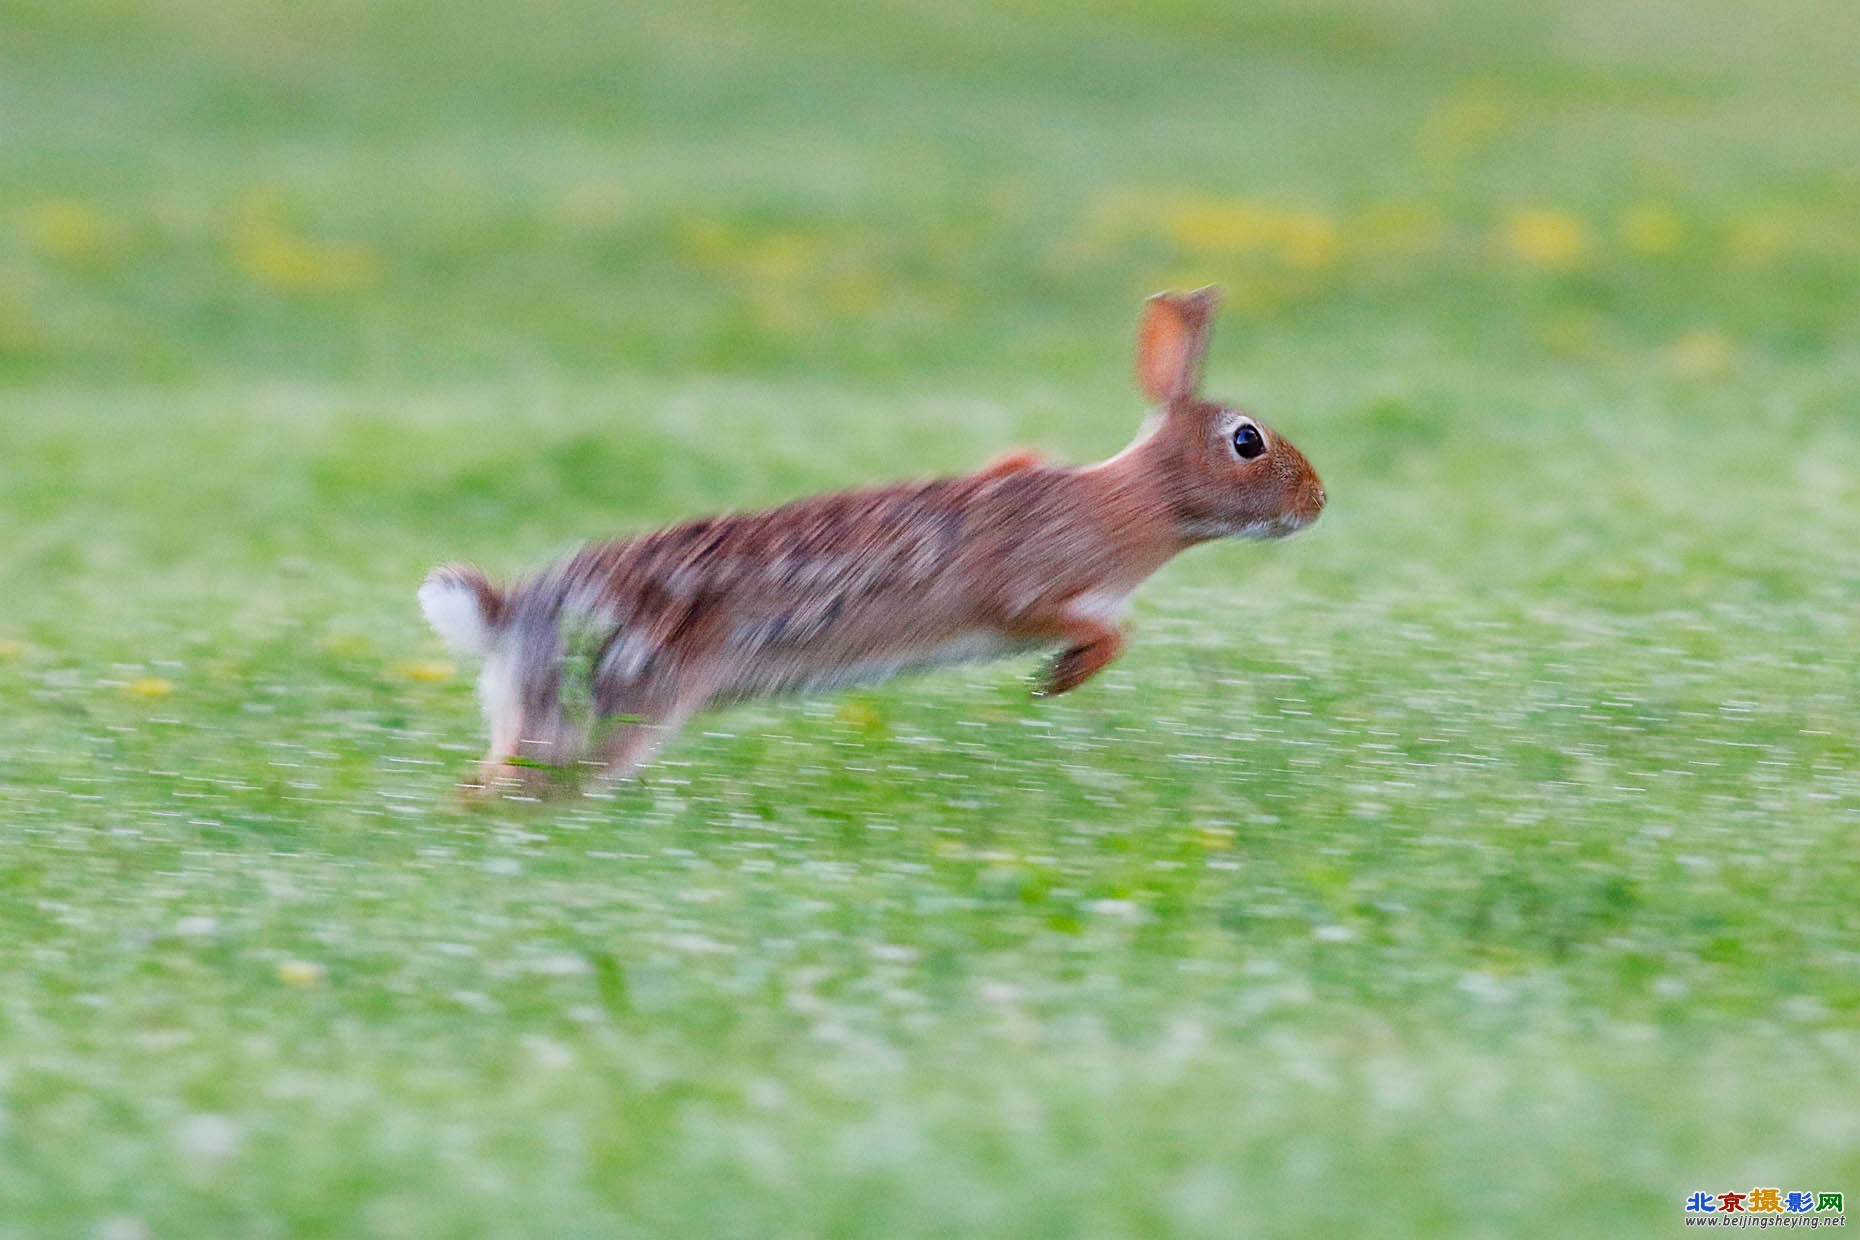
(1248, 442)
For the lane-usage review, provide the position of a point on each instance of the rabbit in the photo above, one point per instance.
(596, 661)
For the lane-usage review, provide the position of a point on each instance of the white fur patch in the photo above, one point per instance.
(497, 693)
(1101, 605)
(797, 674)
(452, 608)
(1257, 531)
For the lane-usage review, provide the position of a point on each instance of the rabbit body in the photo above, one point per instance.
(599, 658)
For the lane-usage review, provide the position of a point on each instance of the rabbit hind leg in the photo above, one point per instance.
(634, 726)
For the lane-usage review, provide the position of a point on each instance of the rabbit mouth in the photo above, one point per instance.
(1267, 529)
(1282, 526)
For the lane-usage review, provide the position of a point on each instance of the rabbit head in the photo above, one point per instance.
(1222, 472)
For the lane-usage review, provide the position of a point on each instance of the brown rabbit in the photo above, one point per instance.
(600, 658)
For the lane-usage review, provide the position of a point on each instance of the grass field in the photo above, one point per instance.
(1481, 863)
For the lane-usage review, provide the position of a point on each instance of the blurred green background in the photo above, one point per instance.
(1480, 863)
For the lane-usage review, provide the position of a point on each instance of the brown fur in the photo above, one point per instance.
(839, 588)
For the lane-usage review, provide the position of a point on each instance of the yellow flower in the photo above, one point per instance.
(706, 242)
(1652, 229)
(780, 257)
(1204, 226)
(1215, 839)
(786, 279)
(149, 688)
(67, 229)
(429, 671)
(861, 714)
(300, 973)
(771, 258)
(271, 253)
(1217, 227)
(1701, 354)
(10, 649)
(1308, 241)
(854, 292)
(343, 644)
(1547, 237)
(1761, 237)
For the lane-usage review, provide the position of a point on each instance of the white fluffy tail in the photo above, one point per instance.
(462, 607)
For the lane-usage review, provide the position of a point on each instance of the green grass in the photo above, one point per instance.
(1481, 863)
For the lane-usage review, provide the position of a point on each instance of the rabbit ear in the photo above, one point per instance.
(1172, 343)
